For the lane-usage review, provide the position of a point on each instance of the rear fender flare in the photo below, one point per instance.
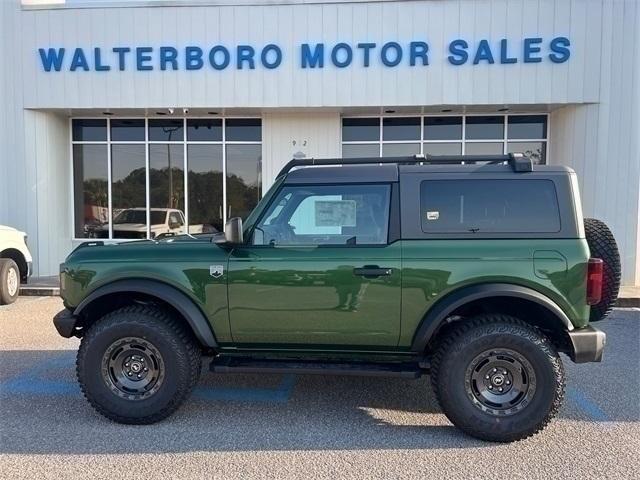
(438, 314)
(171, 295)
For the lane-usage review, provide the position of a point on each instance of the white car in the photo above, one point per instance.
(15, 263)
(132, 223)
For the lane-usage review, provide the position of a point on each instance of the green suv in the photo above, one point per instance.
(476, 270)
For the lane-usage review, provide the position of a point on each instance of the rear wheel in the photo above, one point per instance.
(9, 281)
(137, 365)
(603, 245)
(498, 379)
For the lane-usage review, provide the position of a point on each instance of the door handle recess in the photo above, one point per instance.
(372, 271)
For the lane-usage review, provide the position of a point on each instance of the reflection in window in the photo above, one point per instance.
(484, 128)
(360, 129)
(435, 148)
(489, 206)
(484, 148)
(128, 190)
(205, 188)
(166, 176)
(244, 179)
(398, 128)
(89, 130)
(169, 130)
(327, 215)
(127, 130)
(360, 150)
(536, 151)
(445, 135)
(162, 148)
(243, 130)
(443, 128)
(400, 149)
(204, 130)
(528, 127)
(91, 201)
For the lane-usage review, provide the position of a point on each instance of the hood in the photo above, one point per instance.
(5, 228)
(129, 227)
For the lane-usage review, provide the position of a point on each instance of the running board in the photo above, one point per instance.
(302, 367)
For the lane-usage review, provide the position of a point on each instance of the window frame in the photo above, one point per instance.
(411, 224)
(380, 142)
(393, 225)
(506, 232)
(146, 142)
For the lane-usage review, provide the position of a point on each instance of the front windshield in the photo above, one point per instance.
(247, 225)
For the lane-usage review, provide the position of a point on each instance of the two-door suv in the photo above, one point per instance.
(478, 273)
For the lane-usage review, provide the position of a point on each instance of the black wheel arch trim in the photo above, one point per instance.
(438, 314)
(167, 293)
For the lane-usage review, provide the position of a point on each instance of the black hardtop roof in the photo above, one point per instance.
(386, 169)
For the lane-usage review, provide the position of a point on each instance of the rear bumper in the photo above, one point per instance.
(65, 323)
(588, 344)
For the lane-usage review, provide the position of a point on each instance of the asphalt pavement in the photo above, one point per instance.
(288, 426)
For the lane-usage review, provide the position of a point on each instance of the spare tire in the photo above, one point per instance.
(603, 245)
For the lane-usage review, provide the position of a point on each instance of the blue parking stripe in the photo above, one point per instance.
(281, 394)
(586, 405)
(33, 381)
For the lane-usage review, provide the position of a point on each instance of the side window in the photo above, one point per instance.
(175, 219)
(489, 206)
(326, 215)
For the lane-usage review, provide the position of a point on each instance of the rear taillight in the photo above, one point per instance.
(594, 281)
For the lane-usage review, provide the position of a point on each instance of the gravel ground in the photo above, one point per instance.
(275, 426)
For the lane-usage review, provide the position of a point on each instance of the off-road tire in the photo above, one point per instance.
(180, 352)
(603, 245)
(9, 270)
(455, 353)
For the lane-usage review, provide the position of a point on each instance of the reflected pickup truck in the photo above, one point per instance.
(477, 270)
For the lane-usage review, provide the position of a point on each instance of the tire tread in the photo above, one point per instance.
(511, 325)
(602, 244)
(148, 316)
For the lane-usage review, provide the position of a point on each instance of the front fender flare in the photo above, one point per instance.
(444, 307)
(174, 297)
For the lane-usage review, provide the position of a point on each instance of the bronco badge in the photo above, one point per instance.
(216, 271)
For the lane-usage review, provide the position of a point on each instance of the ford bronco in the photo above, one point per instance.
(477, 270)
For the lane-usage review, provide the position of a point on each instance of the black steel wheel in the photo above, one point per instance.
(500, 381)
(497, 378)
(133, 368)
(137, 365)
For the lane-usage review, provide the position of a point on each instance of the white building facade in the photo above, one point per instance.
(113, 113)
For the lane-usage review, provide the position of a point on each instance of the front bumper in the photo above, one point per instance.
(65, 323)
(588, 344)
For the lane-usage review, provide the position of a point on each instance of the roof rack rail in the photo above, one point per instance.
(517, 161)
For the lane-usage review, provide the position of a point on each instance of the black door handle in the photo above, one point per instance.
(372, 271)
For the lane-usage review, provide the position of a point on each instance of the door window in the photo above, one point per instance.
(326, 215)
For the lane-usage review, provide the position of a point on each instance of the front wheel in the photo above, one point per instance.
(498, 379)
(9, 281)
(137, 365)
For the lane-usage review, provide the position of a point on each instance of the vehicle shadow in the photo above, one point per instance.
(42, 411)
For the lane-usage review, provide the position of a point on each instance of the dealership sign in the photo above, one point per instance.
(309, 56)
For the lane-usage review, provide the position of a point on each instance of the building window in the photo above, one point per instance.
(391, 136)
(145, 178)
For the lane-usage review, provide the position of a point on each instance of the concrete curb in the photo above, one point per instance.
(628, 302)
(39, 291)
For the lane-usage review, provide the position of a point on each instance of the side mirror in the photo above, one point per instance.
(233, 231)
